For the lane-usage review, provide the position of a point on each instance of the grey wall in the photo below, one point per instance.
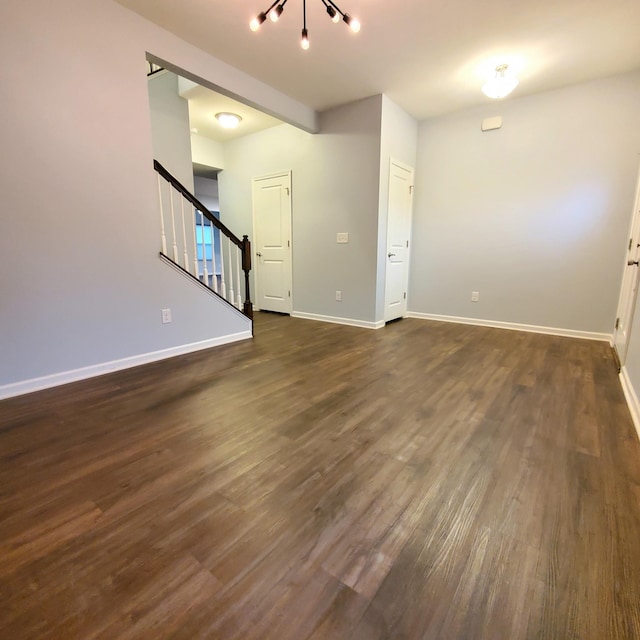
(398, 140)
(206, 190)
(170, 130)
(344, 197)
(534, 216)
(275, 150)
(80, 280)
(335, 177)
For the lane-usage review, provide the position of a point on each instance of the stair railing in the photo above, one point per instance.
(185, 226)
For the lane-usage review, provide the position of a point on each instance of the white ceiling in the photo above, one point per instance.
(204, 104)
(429, 56)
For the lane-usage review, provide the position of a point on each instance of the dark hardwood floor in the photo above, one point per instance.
(427, 480)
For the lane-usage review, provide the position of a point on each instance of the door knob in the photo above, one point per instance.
(632, 262)
(258, 254)
(390, 255)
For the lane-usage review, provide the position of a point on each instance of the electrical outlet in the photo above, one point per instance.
(166, 316)
(342, 238)
(475, 296)
(338, 296)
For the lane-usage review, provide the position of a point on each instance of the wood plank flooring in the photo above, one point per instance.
(426, 480)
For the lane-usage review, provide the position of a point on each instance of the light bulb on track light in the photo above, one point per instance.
(333, 14)
(304, 42)
(254, 25)
(275, 13)
(352, 23)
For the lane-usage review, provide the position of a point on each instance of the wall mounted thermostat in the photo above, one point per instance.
(488, 124)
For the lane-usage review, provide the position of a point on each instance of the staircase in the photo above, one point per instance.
(201, 246)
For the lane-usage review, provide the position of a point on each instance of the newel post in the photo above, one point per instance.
(246, 267)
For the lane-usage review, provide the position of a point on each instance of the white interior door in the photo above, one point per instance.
(629, 289)
(272, 241)
(398, 236)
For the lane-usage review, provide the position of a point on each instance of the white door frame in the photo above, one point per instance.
(255, 248)
(411, 171)
(629, 286)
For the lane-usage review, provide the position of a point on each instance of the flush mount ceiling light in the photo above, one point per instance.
(501, 85)
(228, 120)
(277, 7)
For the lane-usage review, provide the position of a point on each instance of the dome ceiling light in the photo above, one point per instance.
(228, 120)
(501, 85)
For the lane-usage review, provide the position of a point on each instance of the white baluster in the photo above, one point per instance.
(239, 303)
(173, 227)
(223, 284)
(214, 281)
(162, 233)
(192, 214)
(184, 237)
(205, 270)
(231, 293)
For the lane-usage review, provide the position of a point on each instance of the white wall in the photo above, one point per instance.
(80, 278)
(334, 189)
(534, 216)
(398, 140)
(170, 131)
(207, 152)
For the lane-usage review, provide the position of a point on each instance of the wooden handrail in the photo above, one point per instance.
(244, 245)
(197, 204)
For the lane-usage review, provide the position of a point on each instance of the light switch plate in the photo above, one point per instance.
(342, 238)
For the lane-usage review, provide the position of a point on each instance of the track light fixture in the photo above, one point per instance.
(277, 7)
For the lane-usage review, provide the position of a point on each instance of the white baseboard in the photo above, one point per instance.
(631, 398)
(64, 377)
(497, 324)
(364, 324)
